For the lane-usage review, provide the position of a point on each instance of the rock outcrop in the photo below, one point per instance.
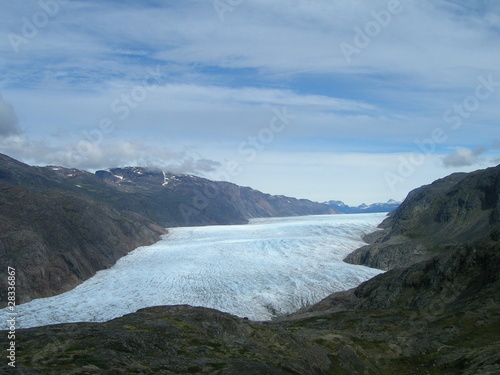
(168, 340)
(457, 209)
(437, 316)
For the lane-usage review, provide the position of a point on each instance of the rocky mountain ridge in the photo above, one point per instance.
(192, 200)
(56, 239)
(454, 210)
(434, 317)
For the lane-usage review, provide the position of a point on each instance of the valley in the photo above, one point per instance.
(267, 268)
(272, 296)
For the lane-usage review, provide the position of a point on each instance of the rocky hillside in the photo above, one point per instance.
(55, 239)
(435, 317)
(168, 340)
(167, 199)
(457, 209)
(174, 200)
(59, 226)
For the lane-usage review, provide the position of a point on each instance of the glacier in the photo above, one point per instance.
(267, 268)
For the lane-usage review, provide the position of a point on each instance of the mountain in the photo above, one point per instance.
(454, 210)
(439, 315)
(59, 226)
(391, 205)
(186, 200)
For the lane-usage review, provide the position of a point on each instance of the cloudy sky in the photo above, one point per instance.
(359, 100)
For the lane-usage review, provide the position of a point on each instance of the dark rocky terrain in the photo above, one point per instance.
(169, 340)
(56, 240)
(59, 226)
(186, 200)
(439, 316)
(436, 316)
(454, 210)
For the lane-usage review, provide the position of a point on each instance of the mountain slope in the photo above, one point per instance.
(55, 239)
(435, 317)
(456, 209)
(189, 200)
(167, 199)
(168, 340)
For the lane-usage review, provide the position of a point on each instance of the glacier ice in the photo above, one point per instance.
(260, 270)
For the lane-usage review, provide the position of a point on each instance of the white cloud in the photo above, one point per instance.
(463, 157)
(424, 42)
(111, 153)
(9, 124)
(189, 112)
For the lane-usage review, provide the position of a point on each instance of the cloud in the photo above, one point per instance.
(188, 113)
(259, 35)
(351, 177)
(113, 153)
(463, 157)
(9, 124)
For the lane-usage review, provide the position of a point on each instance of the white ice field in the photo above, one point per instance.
(260, 270)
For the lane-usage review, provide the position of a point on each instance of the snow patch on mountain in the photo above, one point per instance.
(391, 205)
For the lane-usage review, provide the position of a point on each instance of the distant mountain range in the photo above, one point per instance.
(391, 205)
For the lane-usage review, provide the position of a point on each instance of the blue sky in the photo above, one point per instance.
(360, 101)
